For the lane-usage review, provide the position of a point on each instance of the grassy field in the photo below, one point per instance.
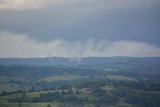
(55, 104)
(27, 105)
(10, 87)
(6, 85)
(61, 77)
(121, 78)
(83, 94)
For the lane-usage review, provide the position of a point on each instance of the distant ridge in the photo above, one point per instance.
(75, 61)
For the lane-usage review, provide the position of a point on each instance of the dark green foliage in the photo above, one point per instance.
(49, 97)
(19, 104)
(23, 94)
(56, 96)
(90, 84)
(122, 91)
(16, 99)
(66, 86)
(70, 91)
(103, 97)
(144, 99)
(53, 88)
(98, 91)
(32, 89)
(64, 93)
(49, 105)
(4, 93)
(77, 92)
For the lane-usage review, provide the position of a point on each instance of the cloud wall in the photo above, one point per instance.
(19, 45)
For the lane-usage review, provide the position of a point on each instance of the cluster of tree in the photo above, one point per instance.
(17, 99)
(68, 96)
(129, 69)
(138, 97)
(64, 96)
(137, 85)
(102, 97)
(144, 99)
(121, 90)
(90, 84)
(4, 93)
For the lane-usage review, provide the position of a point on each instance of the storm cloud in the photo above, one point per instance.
(80, 21)
(19, 45)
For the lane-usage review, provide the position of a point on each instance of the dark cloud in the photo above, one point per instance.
(80, 22)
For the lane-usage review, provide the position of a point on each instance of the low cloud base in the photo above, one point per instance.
(18, 45)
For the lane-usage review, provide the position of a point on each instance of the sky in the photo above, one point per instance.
(79, 28)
